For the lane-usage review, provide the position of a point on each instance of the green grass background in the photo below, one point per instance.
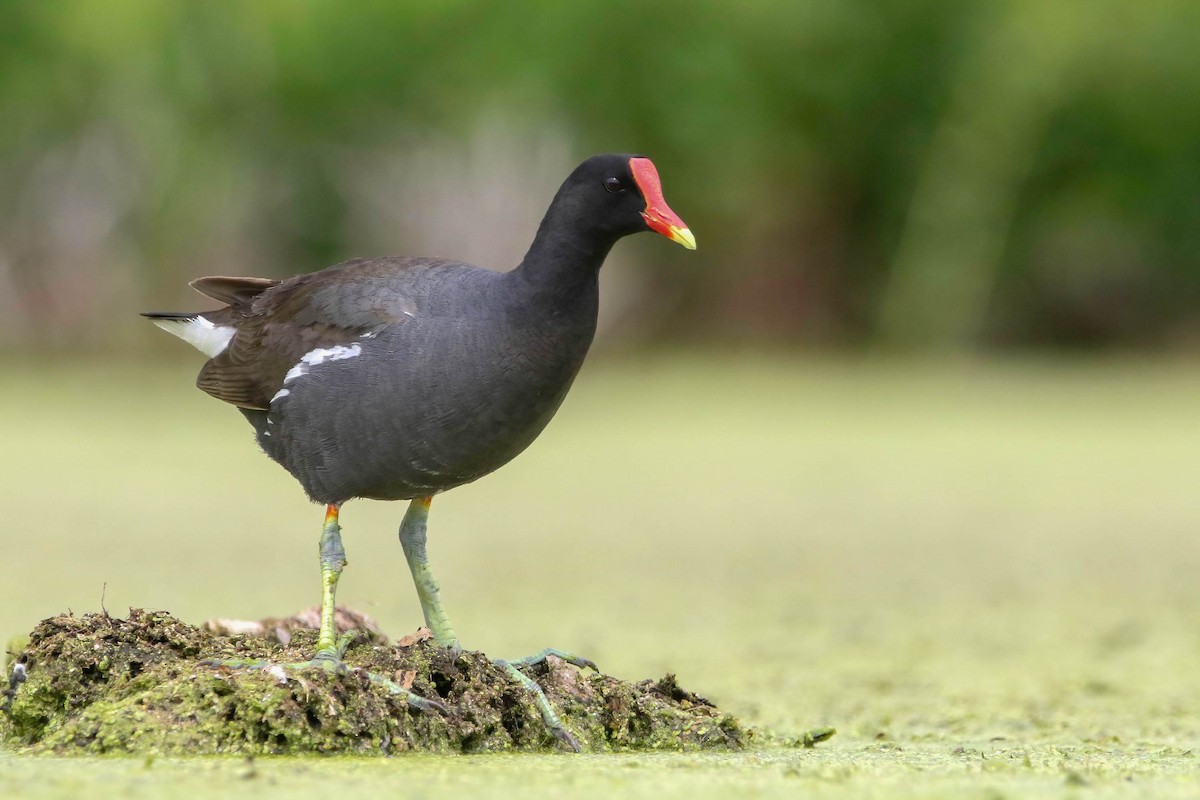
(986, 576)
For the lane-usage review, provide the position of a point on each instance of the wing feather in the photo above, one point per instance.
(232, 291)
(278, 322)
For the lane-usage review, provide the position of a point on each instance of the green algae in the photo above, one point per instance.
(142, 685)
(992, 567)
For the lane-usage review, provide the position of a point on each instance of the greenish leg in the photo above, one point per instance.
(330, 647)
(412, 539)
(333, 558)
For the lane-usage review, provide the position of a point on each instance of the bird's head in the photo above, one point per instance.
(620, 194)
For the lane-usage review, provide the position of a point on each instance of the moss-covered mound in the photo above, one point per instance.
(99, 684)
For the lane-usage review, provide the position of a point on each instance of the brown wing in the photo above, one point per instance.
(233, 291)
(278, 322)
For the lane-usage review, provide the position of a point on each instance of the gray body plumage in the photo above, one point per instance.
(457, 385)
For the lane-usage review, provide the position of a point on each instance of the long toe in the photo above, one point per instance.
(567, 656)
(330, 662)
(325, 660)
(415, 701)
(549, 717)
(426, 705)
(564, 736)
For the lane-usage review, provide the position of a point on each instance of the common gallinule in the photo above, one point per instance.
(399, 378)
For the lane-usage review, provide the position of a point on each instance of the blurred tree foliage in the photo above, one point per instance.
(929, 173)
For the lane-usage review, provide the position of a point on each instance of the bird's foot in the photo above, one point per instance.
(330, 660)
(540, 658)
(549, 717)
(413, 700)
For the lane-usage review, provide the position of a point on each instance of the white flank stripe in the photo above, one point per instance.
(200, 333)
(281, 393)
(319, 356)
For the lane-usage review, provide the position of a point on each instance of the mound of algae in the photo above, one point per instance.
(99, 684)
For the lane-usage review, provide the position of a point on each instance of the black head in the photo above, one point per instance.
(615, 195)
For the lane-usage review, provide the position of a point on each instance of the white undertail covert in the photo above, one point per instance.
(200, 333)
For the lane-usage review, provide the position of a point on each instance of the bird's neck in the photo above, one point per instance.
(563, 263)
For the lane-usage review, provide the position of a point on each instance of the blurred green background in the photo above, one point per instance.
(924, 173)
(780, 477)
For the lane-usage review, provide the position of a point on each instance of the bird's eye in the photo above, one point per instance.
(614, 185)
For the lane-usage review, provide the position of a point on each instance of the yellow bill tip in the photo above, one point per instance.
(683, 236)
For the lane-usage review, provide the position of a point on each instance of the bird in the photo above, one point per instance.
(399, 378)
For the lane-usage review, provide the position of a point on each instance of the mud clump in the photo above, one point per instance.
(99, 684)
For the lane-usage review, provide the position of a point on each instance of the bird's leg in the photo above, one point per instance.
(330, 647)
(412, 539)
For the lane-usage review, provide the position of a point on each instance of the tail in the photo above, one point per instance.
(195, 329)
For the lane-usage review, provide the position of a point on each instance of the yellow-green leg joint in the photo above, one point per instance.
(412, 539)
